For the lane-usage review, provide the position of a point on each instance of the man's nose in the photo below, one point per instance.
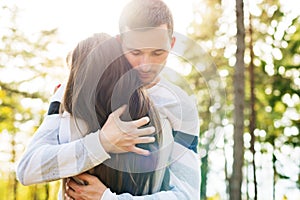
(145, 64)
(145, 59)
(145, 67)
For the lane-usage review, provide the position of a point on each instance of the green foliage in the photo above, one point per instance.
(25, 66)
(276, 42)
(27, 56)
(46, 191)
(282, 82)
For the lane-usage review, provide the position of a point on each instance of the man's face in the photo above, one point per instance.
(147, 51)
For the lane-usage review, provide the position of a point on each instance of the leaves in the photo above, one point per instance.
(25, 62)
(276, 44)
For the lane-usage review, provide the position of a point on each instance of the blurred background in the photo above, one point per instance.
(35, 37)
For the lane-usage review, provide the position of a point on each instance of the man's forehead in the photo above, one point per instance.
(156, 38)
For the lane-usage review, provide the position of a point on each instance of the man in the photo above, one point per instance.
(146, 34)
(147, 51)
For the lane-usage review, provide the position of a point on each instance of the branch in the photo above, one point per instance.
(34, 95)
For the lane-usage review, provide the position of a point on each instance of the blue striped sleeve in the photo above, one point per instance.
(186, 140)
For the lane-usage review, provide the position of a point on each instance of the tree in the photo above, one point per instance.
(239, 97)
(252, 120)
(276, 44)
(28, 59)
(201, 31)
(274, 56)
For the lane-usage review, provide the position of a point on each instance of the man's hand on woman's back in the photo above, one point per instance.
(119, 137)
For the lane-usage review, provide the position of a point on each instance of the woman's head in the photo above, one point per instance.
(101, 80)
(77, 61)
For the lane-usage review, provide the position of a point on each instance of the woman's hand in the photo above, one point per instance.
(93, 188)
(118, 136)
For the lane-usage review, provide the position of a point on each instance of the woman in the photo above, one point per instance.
(101, 80)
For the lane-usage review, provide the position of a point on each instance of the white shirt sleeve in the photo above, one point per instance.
(46, 159)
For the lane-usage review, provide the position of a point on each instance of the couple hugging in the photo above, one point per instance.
(118, 130)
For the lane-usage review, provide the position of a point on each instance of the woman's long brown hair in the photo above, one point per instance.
(101, 80)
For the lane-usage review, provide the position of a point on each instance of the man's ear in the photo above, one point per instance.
(173, 40)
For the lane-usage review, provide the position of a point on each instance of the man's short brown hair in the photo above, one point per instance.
(138, 14)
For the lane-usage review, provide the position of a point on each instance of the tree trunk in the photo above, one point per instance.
(204, 170)
(239, 94)
(47, 191)
(12, 179)
(274, 173)
(252, 124)
(227, 178)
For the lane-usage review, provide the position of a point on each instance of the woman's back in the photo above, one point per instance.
(102, 80)
(111, 179)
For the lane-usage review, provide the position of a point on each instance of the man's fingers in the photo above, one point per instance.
(141, 140)
(143, 131)
(87, 178)
(119, 111)
(127, 126)
(132, 127)
(79, 181)
(70, 194)
(73, 185)
(138, 150)
(144, 140)
(67, 197)
(140, 122)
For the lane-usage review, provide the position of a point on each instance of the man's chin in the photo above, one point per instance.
(149, 82)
